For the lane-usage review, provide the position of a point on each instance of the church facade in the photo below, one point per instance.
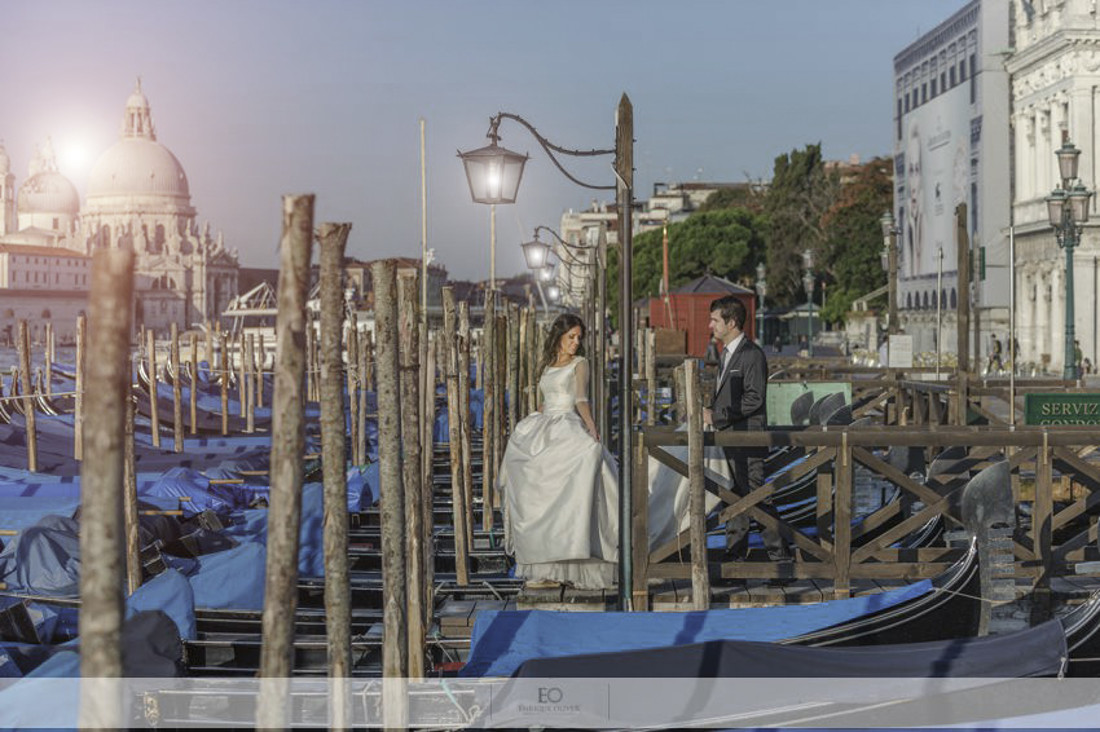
(137, 197)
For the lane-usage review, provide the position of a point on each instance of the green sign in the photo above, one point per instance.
(1049, 409)
(782, 394)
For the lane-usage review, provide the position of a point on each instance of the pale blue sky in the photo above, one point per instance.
(258, 98)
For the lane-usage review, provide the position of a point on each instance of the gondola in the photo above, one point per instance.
(951, 610)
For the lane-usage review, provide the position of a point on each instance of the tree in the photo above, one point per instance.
(853, 237)
(801, 192)
(726, 242)
(742, 195)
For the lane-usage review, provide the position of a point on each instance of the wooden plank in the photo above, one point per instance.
(456, 612)
(910, 571)
(769, 570)
(842, 525)
(700, 581)
(640, 559)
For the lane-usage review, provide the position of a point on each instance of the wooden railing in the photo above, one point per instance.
(842, 551)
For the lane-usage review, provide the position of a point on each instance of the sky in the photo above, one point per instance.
(262, 98)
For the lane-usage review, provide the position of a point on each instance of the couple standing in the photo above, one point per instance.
(559, 483)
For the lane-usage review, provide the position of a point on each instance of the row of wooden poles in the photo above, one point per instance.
(405, 418)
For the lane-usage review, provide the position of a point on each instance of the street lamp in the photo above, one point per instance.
(1067, 220)
(493, 172)
(808, 284)
(890, 266)
(553, 292)
(548, 272)
(535, 252)
(480, 171)
(761, 291)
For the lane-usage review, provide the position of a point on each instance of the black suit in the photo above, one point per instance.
(740, 404)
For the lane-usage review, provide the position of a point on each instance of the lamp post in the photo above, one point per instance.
(761, 291)
(537, 254)
(808, 284)
(494, 175)
(890, 265)
(1067, 221)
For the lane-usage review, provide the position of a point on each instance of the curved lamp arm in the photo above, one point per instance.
(551, 148)
(567, 246)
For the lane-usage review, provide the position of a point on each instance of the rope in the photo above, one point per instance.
(467, 717)
(492, 589)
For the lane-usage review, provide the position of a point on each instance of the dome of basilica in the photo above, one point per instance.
(138, 166)
(48, 192)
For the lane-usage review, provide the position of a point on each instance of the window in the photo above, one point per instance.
(56, 223)
(952, 76)
(973, 81)
(943, 81)
(924, 92)
(933, 88)
(962, 71)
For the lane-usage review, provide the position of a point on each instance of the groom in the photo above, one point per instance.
(740, 404)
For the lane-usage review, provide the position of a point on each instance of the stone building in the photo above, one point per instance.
(137, 197)
(1055, 71)
(951, 146)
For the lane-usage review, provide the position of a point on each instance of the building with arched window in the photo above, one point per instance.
(137, 197)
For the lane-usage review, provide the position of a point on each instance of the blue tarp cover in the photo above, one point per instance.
(503, 640)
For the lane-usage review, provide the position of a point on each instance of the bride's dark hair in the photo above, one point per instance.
(561, 325)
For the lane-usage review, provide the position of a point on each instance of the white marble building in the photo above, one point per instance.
(1055, 96)
(951, 144)
(138, 197)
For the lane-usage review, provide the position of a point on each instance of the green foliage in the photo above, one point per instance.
(853, 246)
(807, 205)
(740, 196)
(802, 190)
(725, 242)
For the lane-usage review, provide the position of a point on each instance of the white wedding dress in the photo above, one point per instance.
(560, 489)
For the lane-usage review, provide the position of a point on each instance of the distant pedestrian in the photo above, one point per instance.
(778, 345)
(995, 355)
(1077, 354)
(1086, 366)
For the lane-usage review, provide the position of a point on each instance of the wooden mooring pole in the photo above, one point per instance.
(700, 580)
(513, 366)
(464, 417)
(129, 495)
(223, 376)
(78, 407)
(395, 651)
(154, 412)
(193, 393)
(177, 390)
(28, 396)
(353, 395)
(287, 449)
(49, 359)
(487, 368)
(366, 364)
(101, 519)
(454, 432)
(333, 241)
(409, 335)
(249, 394)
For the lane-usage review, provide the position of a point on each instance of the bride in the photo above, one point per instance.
(559, 484)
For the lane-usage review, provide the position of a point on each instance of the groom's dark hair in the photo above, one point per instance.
(730, 308)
